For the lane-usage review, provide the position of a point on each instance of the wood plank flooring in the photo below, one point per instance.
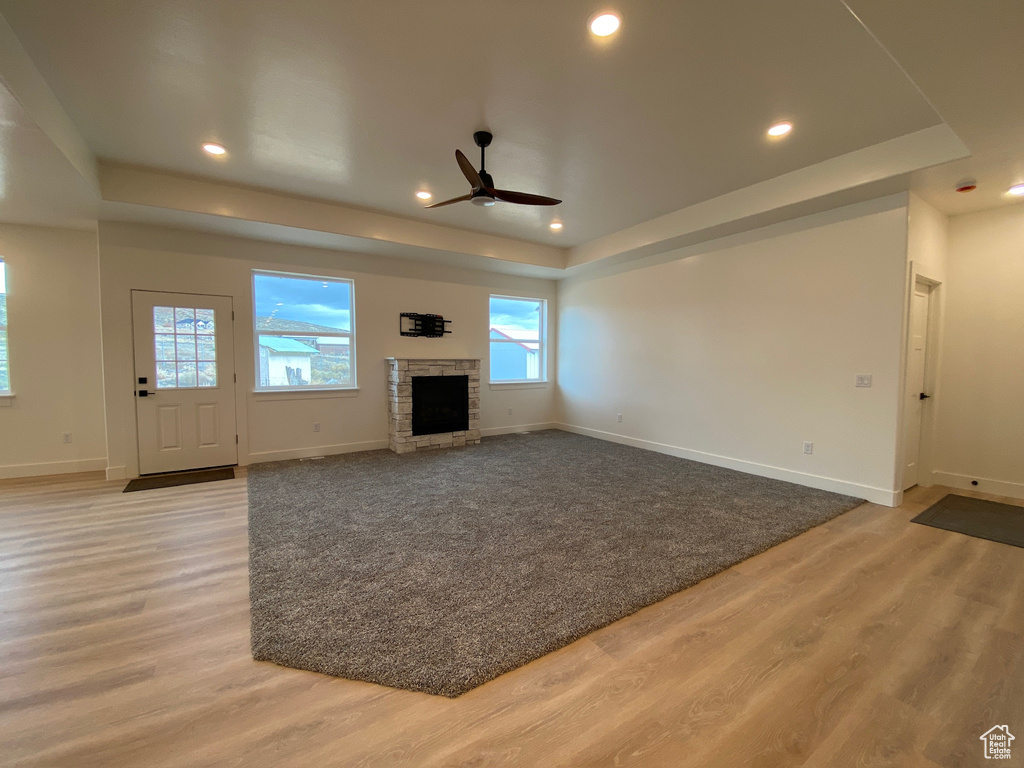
(869, 641)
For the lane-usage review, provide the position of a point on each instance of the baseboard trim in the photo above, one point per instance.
(320, 450)
(8, 471)
(886, 497)
(985, 484)
(371, 445)
(117, 473)
(491, 431)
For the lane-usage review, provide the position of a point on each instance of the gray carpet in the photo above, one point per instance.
(439, 571)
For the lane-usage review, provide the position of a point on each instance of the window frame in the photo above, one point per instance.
(7, 392)
(349, 334)
(176, 361)
(542, 341)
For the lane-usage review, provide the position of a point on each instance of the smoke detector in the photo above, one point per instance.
(967, 185)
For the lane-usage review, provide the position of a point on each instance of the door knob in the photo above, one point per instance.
(145, 393)
(924, 396)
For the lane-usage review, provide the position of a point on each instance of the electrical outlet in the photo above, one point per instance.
(316, 426)
(862, 380)
(509, 411)
(618, 417)
(808, 447)
(67, 437)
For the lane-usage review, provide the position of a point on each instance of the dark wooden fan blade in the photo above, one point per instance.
(453, 200)
(468, 170)
(523, 198)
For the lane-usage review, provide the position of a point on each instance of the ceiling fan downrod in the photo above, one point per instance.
(483, 140)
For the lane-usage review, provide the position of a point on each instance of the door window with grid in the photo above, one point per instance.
(185, 347)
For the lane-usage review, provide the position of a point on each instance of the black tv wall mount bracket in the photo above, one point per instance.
(416, 324)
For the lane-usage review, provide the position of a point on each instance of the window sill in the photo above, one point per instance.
(6, 400)
(270, 395)
(531, 384)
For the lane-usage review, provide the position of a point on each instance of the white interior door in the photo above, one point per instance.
(184, 385)
(917, 357)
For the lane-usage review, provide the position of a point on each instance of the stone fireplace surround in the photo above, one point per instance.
(400, 373)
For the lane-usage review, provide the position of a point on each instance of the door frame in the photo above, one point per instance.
(925, 461)
(134, 381)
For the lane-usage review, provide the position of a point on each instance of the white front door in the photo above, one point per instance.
(914, 403)
(184, 381)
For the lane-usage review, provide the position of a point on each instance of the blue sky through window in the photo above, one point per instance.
(521, 315)
(309, 300)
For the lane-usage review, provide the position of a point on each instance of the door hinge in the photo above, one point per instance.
(232, 314)
(236, 439)
(236, 377)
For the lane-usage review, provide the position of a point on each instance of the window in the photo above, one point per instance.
(518, 331)
(184, 347)
(304, 335)
(5, 371)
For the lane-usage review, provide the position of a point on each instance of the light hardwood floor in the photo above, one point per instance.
(869, 641)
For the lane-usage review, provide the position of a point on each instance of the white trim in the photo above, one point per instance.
(985, 484)
(541, 342)
(933, 343)
(524, 384)
(313, 393)
(886, 497)
(491, 431)
(117, 473)
(52, 468)
(322, 450)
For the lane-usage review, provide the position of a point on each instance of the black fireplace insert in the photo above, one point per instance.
(440, 404)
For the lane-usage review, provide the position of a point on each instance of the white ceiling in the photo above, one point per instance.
(966, 57)
(38, 185)
(359, 104)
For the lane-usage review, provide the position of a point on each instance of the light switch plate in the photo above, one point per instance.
(863, 380)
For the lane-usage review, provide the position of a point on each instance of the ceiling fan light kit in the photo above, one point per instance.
(483, 191)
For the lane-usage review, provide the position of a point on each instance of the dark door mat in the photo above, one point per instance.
(179, 478)
(976, 517)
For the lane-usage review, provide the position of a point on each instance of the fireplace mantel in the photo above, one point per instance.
(401, 371)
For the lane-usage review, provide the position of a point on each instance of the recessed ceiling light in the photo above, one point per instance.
(555, 225)
(604, 24)
(423, 195)
(1017, 190)
(780, 129)
(214, 149)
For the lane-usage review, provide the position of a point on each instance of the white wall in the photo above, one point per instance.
(737, 353)
(979, 422)
(54, 334)
(928, 239)
(274, 426)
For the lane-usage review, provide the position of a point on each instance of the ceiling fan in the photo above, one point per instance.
(484, 192)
